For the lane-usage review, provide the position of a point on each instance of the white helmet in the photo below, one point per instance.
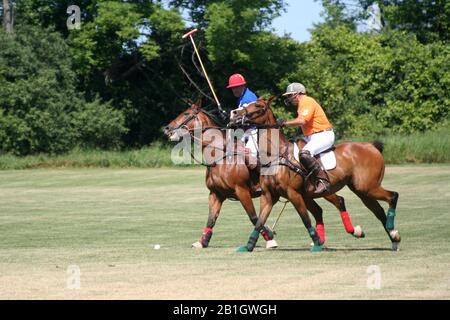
(294, 88)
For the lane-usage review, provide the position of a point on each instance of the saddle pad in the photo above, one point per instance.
(328, 158)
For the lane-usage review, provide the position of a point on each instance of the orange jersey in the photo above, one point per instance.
(314, 116)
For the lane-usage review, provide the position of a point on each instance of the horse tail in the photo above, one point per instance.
(379, 145)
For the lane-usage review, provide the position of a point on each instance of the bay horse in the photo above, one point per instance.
(360, 166)
(232, 180)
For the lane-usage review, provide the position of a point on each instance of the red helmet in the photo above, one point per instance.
(236, 80)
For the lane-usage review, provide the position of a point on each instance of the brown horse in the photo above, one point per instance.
(360, 166)
(231, 180)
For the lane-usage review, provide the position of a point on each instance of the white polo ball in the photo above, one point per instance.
(157, 247)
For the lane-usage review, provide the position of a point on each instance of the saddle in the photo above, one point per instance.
(327, 158)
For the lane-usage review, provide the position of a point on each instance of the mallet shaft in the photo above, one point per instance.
(189, 34)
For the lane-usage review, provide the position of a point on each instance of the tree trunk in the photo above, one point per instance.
(7, 16)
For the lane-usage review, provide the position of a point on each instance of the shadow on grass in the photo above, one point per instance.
(335, 249)
(305, 249)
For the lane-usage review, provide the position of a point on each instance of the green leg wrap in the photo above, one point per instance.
(242, 249)
(253, 239)
(390, 219)
(315, 237)
(251, 242)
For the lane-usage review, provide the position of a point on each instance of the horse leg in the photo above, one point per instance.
(316, 211)
(299, 204)
(215, 204)
(339, 203)
(370, 201)
(244, 196)
(391, 197)
(267, 202)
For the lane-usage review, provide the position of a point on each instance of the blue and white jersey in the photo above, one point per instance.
(246, 98)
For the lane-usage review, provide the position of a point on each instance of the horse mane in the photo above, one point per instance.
(220, 118)
(267, 103)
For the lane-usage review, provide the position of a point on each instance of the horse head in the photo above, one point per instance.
(257, 113)
(184, 123)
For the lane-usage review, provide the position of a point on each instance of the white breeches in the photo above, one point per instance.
(318, 142)
(251, 136)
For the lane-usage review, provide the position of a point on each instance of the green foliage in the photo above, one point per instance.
(239, 40)
(429, 20)
(428, 147)
(98, 126)
(38, 98)
(336, 14)
(53, 82)
(262, 11)
(99, 42)
(124, 53)
(370, 84)
(153, 156)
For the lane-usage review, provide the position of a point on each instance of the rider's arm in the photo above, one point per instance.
(305, 114)
(299, 121)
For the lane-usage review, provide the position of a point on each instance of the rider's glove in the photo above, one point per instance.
(281, 123)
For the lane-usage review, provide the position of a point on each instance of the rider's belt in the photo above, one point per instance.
(329, 129)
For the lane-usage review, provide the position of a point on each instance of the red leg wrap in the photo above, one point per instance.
(265, 236)
(347, 222)
(320, 228)
(205, 233)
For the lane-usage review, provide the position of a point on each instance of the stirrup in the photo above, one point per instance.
(324, 183)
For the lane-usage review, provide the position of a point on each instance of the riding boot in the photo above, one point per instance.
(254, 169)
(250, 161)
(254, 178)
(318, 175)
(322, 183)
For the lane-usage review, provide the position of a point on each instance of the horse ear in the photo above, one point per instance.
(198, 104)
(271, 98)
(260, 101)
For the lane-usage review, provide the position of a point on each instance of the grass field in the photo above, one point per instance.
(107, 221)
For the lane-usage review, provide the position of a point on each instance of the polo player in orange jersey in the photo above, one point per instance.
(317, 129)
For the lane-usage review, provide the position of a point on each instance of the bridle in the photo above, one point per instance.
(183, 125)
(283, 156)
(248, 117)
(188, 118)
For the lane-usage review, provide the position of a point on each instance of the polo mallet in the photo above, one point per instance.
(279, 216)
(189, 34)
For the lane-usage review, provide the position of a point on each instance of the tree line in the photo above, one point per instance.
(116, 79)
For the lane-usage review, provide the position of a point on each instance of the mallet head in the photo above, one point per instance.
(190, 33)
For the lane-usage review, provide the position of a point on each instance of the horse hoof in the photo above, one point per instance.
(358, 232)
(316, 248)
(242, 249)
(395, 246)
(197, 245)
(271, 244)
(395, 235)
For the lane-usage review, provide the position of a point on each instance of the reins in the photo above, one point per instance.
(192, 130)
(284, 157)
